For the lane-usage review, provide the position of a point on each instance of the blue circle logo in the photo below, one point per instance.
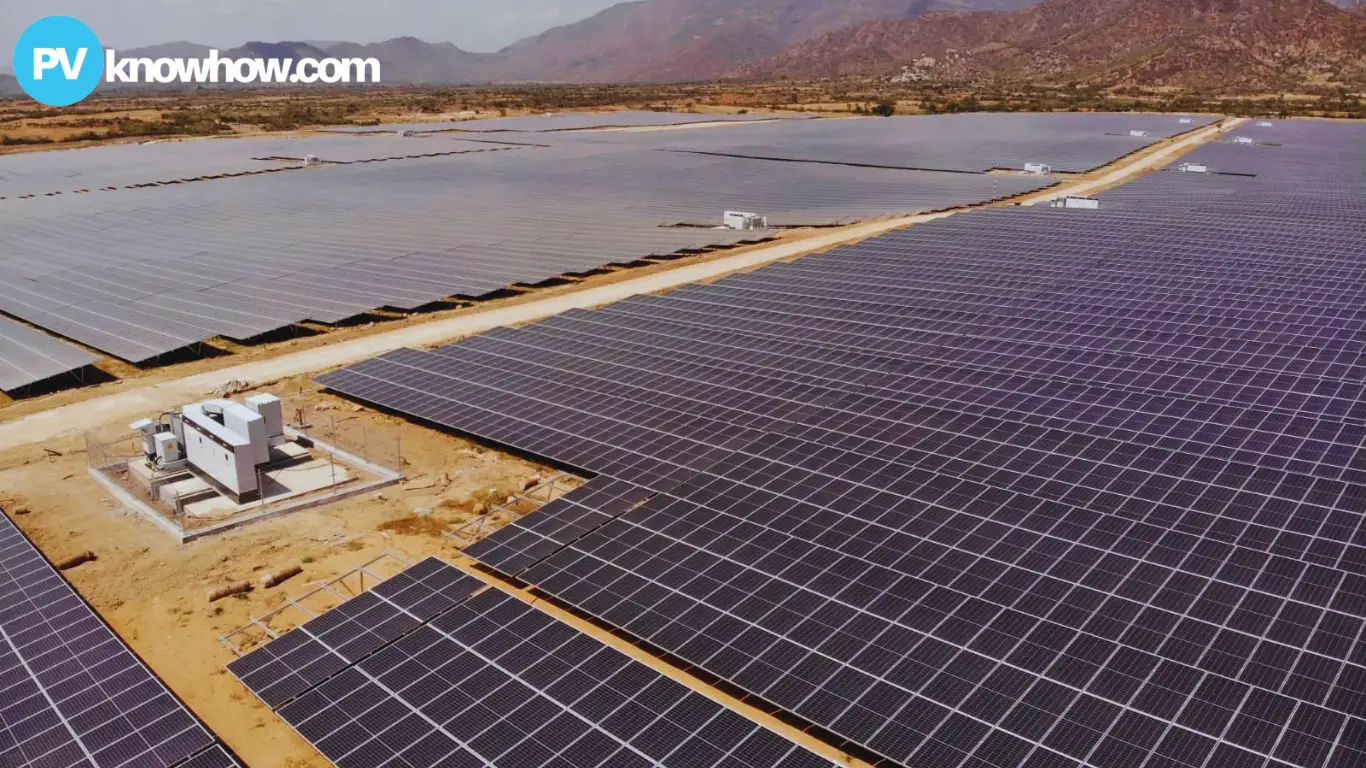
(58, 61)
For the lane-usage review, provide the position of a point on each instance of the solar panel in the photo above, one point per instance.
(71, 692)
(966, 143)
(129, 166)
(28, 356)
(1020, 487)
(489, 680)
(142, 273)
(213, 757)
(557, 524)
(305, 657)
(565, 122)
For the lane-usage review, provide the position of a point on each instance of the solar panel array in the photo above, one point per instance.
(1022, 487)
(972, 143)
(71, 692)
(143, 273)
(432, 669)
(28, 357)
(125, 165)
(568, 121)
(131, 166)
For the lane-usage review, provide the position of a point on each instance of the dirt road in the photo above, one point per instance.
(138, 401)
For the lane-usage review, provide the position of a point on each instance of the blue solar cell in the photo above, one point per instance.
(71, 692)
(1092, 481)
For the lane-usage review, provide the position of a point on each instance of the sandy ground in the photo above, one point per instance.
(152, 590)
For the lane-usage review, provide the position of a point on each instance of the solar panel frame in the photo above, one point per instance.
(1044, 488)
(28, 356)
(76, 695)
(486, 679)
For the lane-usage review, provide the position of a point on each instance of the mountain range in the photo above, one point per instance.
(1217, 44)
(1244, 43)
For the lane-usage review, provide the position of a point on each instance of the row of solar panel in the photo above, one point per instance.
(259, 254)
(71, 692)
(132, 166)
(1024, 487)
(87, 274)
(965, 143)
(431, 668)
(569, 121)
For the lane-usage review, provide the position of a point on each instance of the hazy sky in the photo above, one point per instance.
(475, 25)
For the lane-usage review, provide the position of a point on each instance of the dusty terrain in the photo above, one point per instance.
(27, 126)
(152, 591)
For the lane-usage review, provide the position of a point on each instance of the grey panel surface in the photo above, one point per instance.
(458, 674)
(967, 142)
(568, 121)
(122, 166)
(124, 271)
(1021, 487)
(72, 694)
(28, 356)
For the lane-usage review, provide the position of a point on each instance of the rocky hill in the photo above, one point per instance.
(409, 60)
(1248, 44)
(683, 39)
(1256, 42)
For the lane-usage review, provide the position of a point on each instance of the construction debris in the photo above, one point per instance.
(75, 560)
(419, 484)
(230, 387)
(227, 590)
(274, 578)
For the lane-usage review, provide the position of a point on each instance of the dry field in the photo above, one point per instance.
(26, 125)
(153, 591)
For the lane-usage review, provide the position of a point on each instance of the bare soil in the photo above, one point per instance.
(153, 591)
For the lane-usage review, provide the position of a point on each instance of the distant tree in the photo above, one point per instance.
(884, 109)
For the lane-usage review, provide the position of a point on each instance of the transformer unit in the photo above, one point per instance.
(268, 406)
(161, 443)
(1193, 168)
(1037, 169)
(170, 451)
(743, 220)
(225, 442)
(1076, 201)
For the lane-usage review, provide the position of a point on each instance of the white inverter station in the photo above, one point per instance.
(221, 441)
